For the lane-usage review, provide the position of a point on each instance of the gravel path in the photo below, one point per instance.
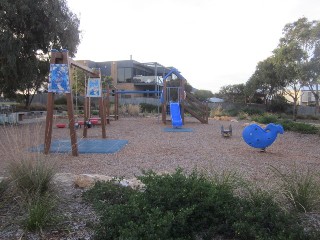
(150, 147)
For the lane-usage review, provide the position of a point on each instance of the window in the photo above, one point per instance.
(124, 75)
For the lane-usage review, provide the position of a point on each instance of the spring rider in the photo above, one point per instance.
(257, 137)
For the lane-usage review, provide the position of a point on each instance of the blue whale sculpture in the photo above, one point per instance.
(257, 137)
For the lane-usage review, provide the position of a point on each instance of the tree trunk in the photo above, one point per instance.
(316, 111)
(295, 109)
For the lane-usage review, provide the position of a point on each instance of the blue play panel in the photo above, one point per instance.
(177, 129)
(85, 146)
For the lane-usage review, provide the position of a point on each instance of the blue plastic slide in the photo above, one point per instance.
(176, 119)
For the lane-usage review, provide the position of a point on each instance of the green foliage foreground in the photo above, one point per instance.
(180, 206)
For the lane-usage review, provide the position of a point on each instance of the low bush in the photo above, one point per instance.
(299, 127)
(149, 108)
(287, 124)
(60, 101)
(232, 112)
(252, 111)
(181, 206)
(38, 107)
(265, 118)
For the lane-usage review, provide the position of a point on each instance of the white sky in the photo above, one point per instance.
(212, 43)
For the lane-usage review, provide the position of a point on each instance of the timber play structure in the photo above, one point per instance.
(60, 82)
(185, 102)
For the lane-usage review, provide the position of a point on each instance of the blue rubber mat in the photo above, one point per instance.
(177, 129)
(85, 146)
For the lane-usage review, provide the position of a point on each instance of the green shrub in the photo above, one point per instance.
(95, 112)
(252, 111)
(300, 189)
(279, 104)
(149, 108)
(38, 107)
(260, 217)
(305, 128)
(180, 206)
(265, 118)
(61, 101)
(232, 112)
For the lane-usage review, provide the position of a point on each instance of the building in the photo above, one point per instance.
(130, 75)
(307, 97)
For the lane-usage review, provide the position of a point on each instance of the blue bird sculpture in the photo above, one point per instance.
(257, 137)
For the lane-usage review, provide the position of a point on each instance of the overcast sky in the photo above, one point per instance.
(212, 43)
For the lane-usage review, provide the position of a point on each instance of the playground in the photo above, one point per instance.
(150, 147)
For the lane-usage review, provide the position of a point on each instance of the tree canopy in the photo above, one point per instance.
(29, 29)
(294, 63)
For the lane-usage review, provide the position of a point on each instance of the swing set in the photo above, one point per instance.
(60, 75)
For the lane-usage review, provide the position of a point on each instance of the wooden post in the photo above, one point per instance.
(102, 111)
(164, 104)
(55, 58)
(116, 106)
(107, 103)
(86, 118)
(85, 110)
(182, 84)
(73, 134)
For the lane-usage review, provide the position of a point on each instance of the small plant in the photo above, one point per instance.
(300, 189)
(243, 115)
(4, 185)
(39, 212)
(217, 112)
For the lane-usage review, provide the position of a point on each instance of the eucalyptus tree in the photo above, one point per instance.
(29, 29)
(264, 80)
(288, 59)
(305, 35)
(233, 93)
(203, 95)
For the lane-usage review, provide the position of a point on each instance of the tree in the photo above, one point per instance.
(175, 83)
(288, 58)
(264, 80)
(203, 95)
(305, 36)
(29, 29)
(233, 93)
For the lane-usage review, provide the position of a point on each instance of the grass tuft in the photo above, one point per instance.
(300, 189)
(32, 176)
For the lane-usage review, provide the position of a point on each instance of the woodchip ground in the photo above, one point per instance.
(150, 148)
